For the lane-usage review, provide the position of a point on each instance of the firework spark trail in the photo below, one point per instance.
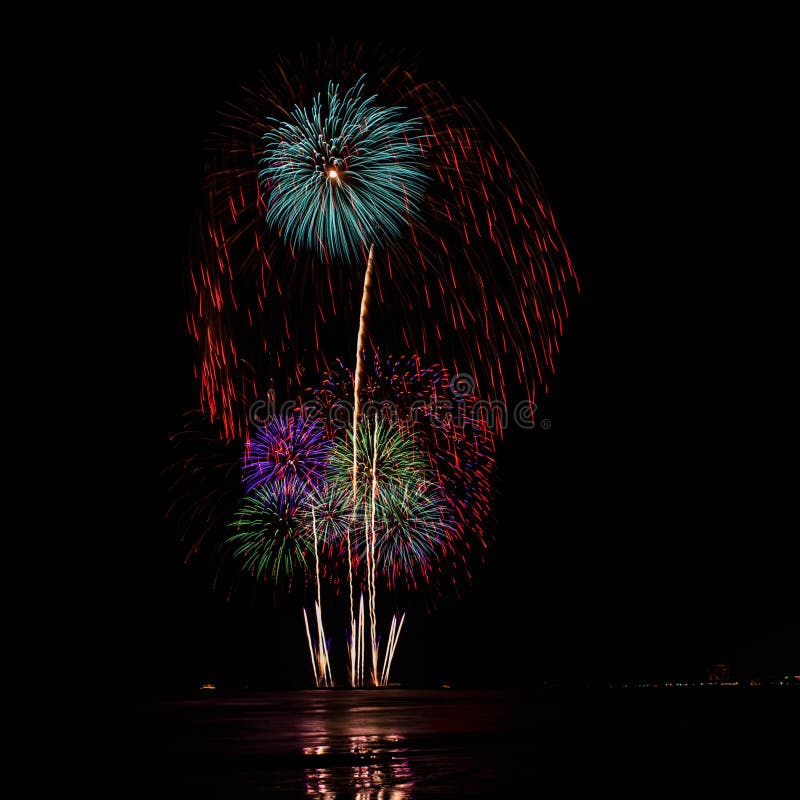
(316, 554)
(322, 648)
(322, 669)
(394, 645)
(311, 649)
(320, 633)
(392, 629)
(394, 635)
(353, 645)
(359, 373)
(371, 558)
(322, 644)
(357, 654)
(360, 344)
(361, 639)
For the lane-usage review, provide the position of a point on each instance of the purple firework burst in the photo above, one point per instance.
(286, 450)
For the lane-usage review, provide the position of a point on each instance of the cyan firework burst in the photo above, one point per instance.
(412, 532)
(342, 175)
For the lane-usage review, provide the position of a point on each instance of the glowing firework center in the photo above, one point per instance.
(343, 175)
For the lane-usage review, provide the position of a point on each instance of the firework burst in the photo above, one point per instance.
(469, 267)
(332, 506)
(343, 175)
(452, 435)
(413, 533)
(286, 449)
(383, 451)
(270, 535)
(401, 509)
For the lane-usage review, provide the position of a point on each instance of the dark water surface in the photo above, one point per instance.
(398, 744)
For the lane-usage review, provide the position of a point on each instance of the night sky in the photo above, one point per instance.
(645, 535)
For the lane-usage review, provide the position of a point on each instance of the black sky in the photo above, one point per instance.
(646, 533)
